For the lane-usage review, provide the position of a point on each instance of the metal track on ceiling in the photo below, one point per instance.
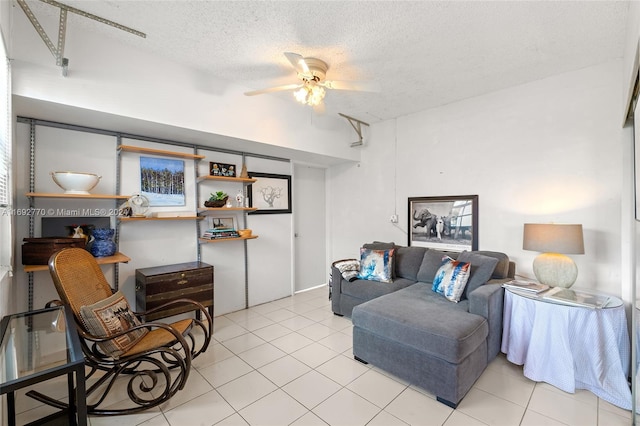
(58, 49)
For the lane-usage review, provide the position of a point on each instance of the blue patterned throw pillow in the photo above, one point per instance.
(451, 278)
(376, 265)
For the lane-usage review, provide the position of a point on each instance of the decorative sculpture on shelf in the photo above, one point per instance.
(240, 198)
(244, 174)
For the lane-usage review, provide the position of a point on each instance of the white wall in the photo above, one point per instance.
(120, 81)
(111, 77)
(548, 151)
(154, 243)
(545, 151)
(630, 67)
(227, 258)
(271, 255)
(57, 149)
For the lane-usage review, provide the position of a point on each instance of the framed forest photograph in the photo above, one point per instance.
(162, 181)
(447, 223)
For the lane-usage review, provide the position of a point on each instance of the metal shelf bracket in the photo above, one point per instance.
(356, 124)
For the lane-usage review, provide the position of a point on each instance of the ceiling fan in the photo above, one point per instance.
(311, 89)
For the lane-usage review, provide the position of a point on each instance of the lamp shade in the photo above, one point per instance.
(553, 238)
(554, 241)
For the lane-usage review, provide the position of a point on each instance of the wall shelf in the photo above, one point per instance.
(212, 212)
(116, 258)
(225, 178)
(85, 196)
(141, 150)
(222, 240)
(225, 209)
(137, 219)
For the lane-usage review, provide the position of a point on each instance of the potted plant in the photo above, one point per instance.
(219, 199)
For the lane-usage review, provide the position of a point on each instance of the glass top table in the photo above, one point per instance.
(582, 297)
(569, 346)
(38, 346)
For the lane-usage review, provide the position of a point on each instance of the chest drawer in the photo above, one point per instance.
(161, 284)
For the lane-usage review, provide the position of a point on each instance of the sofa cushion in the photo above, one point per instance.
(451, 278)
(502, 268)
(382, 245)
(379, 245)
(376, 265)
(367, 290)
(408, 261)
(415, 318)
(431, 262)
(481, 269)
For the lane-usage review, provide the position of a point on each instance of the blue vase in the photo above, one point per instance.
(103, 244)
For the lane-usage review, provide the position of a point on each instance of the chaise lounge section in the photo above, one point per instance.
(409, 330)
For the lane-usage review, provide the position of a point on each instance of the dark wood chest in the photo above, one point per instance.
(37, 251)
(161, 284)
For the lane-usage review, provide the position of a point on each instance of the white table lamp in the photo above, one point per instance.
(553, 267)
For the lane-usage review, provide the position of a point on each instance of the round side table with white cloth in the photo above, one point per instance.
(569, 347)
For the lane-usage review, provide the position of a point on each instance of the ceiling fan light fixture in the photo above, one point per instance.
(316, 95)
(310, 95)
(312, 72)
(301, 95)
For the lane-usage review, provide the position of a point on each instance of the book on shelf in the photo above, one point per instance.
(214, 234)
(526, 286)
(577, 298)
(216, 230)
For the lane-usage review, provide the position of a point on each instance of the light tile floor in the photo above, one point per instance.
(289, 362)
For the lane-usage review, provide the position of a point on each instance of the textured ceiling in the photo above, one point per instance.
(423, 54)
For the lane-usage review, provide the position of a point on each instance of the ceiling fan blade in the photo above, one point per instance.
(273, 89)
(298, 63)
(361, 86)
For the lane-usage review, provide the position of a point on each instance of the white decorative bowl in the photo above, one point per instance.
(75, 182)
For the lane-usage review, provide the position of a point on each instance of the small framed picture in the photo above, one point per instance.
(222, 169)
(270, 193)
(221, 223)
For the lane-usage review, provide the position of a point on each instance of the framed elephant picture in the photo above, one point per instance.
(447, 223)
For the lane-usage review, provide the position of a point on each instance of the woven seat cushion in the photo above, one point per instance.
(109, 317)
(159, 337)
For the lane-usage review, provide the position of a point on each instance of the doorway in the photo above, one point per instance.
(310, 229)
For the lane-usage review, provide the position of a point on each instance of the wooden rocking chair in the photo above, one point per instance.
(154, 357)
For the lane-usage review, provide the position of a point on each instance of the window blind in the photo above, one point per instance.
(5, 128)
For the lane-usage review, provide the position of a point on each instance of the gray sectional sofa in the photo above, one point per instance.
(405, 328)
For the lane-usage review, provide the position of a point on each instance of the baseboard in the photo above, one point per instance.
(311, 288)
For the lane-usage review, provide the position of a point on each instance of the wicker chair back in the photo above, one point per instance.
(78, 278)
